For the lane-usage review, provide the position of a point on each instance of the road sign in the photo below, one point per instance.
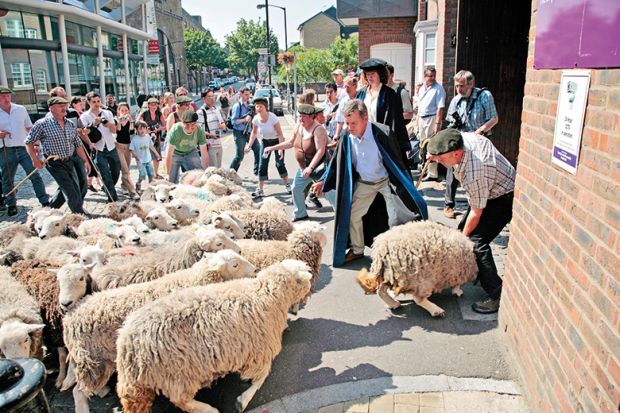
(262, 51)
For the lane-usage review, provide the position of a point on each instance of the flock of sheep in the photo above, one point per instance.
(189, 284)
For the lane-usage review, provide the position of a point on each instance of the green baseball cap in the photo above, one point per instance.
(447, 140)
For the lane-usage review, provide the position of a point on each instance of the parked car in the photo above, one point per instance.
(278, 105)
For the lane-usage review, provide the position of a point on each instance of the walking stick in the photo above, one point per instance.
(49, 158)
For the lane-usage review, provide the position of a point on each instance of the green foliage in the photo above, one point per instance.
(201, 49)
(242, 45)
(316, 65)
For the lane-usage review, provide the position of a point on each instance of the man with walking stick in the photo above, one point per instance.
(14, 126)
(58, 138)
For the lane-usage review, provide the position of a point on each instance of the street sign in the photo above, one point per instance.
(261, 67)
(262, 51)
(153, 52)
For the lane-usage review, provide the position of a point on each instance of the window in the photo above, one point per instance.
(41, 81)
(21, 75)
(429, 49)
(14, 28)
(30, 33)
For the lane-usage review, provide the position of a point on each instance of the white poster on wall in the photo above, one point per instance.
(572, 101)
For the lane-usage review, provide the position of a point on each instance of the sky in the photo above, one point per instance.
(221, 16)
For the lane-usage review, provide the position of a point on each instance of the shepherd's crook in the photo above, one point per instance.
(49, 158)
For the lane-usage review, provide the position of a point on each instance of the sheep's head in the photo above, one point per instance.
(74, 282)
(159, 218)
(162, 193)
(230, 264)
(211, 240)
(313, 229)
(368, 282)
(136, 223)
(124, 208)
(272, 204)
(35, 218)
(53, 226)
(125, 235)
(232, 175)
(91, 255)
(229, 223)
(15, 338)
(181, 210)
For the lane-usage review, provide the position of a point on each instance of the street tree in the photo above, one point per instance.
(201, 50)
(243, 42)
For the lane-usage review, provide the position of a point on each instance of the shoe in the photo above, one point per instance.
(12, 211)
(487, 305)
(135, 197)
(288, 188)
(430, 178)
(2, 204)
(45, 204)
(295, 219)
(92, 188)
(312, 198)
(138, 186)
(351, 256)
(257, 194)
(449, 213)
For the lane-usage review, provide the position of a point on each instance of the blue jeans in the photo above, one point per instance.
(189, 161)
(146, 169)
(263, 164)
(240, 141)
(110, 169)
(299, 197)
(70, 176)
(8, 167)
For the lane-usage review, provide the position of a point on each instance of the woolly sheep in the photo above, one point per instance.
(161, 220)
(229, 174)
(263, 224)
(20, 321)
(182, 211)
(227, 222)
(74, 282)
(14, 235)
(158, 262)
(305, 243)
(419, 258)
(198, 197)
(56, 225)
(124, 233)
(137, 224)
(62, 250)
(90, 329)
(36, 217)
(237, 326)
(119, 211)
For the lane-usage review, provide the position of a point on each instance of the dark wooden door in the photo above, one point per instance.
(492, 43)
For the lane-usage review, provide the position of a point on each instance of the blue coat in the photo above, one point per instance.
(341, 176)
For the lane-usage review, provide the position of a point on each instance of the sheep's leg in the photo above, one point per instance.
(432, 308)
(457, 291)
(244, 399)
(80, 401)
(194, 406)
(62, 366)
(387, 298)
(102, 392)
(70, 379)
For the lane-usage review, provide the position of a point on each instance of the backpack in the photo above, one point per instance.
(399, 89)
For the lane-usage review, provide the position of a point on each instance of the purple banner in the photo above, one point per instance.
(577, 34)
(564, 156)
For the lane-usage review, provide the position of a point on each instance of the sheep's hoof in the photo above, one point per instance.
(457, 292)
(58, 383)
(238, 405)
(440, 313)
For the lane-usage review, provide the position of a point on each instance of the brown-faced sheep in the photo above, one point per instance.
(90, 330)
(419, 258)
(186, 340)
(119, 211)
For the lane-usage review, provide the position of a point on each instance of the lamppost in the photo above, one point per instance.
(265, 6)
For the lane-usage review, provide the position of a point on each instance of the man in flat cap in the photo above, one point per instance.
(58, 137)
(368, 163)
(14, 127)
(183, 139)
(383, 103)
(488, 179)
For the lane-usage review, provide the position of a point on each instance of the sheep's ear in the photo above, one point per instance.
(90, 266)
(31, 328)
(135, 216)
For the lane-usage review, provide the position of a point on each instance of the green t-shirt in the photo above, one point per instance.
(184, 143)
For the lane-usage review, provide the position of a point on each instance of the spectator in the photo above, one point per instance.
(167, 102)
(57, 137)
(350, 87)
(224, 100)
(329, 109)
(431, 104)
(267, 130)
(77, 106)
(111, 105)
(182, 92)
(211, 121)
(338, 76)
(156, 123)
(123, 140)
(14, 127)
(183, 139)
(368, 162)
(402, 92)
(141, 147)
(241, 116)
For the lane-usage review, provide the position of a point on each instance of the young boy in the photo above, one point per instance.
(141, 147)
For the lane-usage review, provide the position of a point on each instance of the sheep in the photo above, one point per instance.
(74, 282)
(198, 197)
(119, 211)
(62, 250)
(148, 194)
(305, 243)
(182, 211)
(36, 217)
(158, 262)
(124, 233)
(229, 223)
(14, 235)
(229, 174)
(90, 329)
(161, 220)
(419, 258)
(55, 225)
(137, 224)
(261, 224)
(236, 326)
(21, 325)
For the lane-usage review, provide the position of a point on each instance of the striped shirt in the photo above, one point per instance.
(483, 172)
(55, 140)
(213, 121)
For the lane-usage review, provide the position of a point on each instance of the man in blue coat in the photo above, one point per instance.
(367, 163)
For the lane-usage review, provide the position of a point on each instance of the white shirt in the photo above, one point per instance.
(370, 100)
(341, 104)
(266, 130)
(431, 99)
(366, 158)
(108, 139)
(328, 110)
(16, 122)
(214, 119)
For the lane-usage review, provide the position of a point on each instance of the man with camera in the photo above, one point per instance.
(102, 129)
(471, 110)
(241, 117)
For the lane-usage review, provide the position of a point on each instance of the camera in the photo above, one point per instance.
(104, 121)
(251, 110)
(457, 122)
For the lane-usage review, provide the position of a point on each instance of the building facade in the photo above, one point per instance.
(320, 30)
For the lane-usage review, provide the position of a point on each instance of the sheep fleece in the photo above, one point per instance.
(423, 257)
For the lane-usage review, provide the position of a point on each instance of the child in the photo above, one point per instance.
(141, 147)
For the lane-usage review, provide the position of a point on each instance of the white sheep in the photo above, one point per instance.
(198, 197)
(55, 225)
(419, 258)
(182, 211)
(228, 222)
(137, 224)
(153, 264)
(160, 219)
(235, 326)
(74, 282)
(90, 329)
(125, 234)
(262, 224)
(118, 211)
(21, 325)
(62, 250)
(36, 217)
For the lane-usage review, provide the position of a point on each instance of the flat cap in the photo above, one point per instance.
(373, 63)
(305, 109)
(55, 100)
(338, 72)
(184, 99)
(4, 89)
(189, 116)
(445, 141)
(152, 100)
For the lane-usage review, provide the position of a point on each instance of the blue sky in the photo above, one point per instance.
(221, 16)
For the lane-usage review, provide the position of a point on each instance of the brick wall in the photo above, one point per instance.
(560, 304)
(446, 53)
(320, 32)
